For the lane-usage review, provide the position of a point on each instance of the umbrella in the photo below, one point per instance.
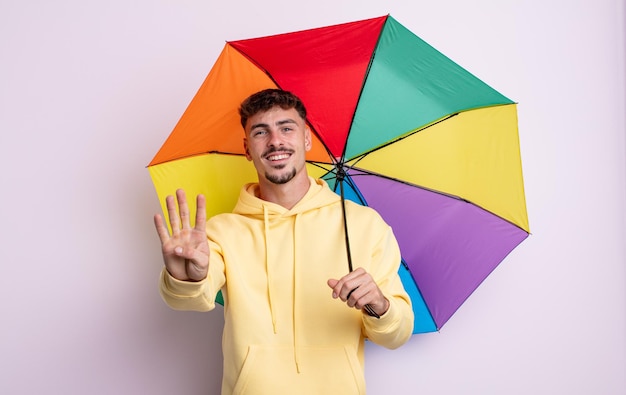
(415, 136)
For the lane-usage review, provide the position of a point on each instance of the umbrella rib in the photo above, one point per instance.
(194, 155)
(363, 172)
(269, 75)
(355, 189)
(367, 73)
(357, 158)
(419, 291)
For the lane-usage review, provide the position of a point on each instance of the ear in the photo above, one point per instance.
(246, 150)
(308, 143)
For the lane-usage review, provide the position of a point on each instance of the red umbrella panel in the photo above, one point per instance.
(420, 139)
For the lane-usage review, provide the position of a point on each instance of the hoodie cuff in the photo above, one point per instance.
(180, 288)
(388, 318)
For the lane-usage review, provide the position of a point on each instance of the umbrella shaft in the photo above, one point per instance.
(345, 225)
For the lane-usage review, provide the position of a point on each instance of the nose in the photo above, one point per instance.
(275, 139)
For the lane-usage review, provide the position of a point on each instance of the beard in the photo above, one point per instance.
(281, 178)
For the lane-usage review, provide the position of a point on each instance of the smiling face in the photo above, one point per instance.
(276, 142)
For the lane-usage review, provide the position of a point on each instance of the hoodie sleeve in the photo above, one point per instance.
(194, 296)
(394, 328)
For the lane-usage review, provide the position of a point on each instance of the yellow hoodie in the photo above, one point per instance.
(283, 331)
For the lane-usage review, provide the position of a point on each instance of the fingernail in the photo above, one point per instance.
(334, 295)
(178, 250)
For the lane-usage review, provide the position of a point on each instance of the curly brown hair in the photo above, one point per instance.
(268, 98)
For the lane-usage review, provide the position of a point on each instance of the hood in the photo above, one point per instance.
(318, 195)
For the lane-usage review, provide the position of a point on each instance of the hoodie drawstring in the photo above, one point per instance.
(267, 266)
(296, 332)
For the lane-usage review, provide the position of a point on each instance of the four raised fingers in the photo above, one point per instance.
(179, 217)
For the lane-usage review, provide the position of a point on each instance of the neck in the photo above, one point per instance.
(286, 195)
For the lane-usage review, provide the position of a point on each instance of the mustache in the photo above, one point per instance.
(273, 150)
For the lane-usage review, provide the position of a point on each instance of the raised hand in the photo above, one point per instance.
(186, 250)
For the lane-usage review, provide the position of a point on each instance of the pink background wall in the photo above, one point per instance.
(89, 91)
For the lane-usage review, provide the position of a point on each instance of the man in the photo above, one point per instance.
(295, 320)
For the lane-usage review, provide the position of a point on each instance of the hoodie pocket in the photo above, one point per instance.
(319, 370)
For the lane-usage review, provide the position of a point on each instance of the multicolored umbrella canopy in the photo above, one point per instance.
(428, 145)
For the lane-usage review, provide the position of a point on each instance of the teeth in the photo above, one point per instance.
(278, 157)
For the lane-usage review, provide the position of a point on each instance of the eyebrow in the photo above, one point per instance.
(279, 123)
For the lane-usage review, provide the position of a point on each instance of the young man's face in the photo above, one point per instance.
(276, 142)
